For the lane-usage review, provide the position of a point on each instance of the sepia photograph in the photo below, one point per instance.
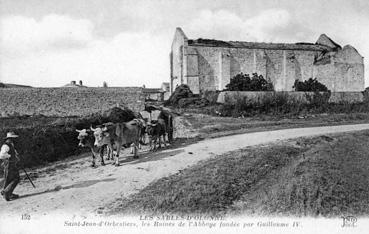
(184, 116)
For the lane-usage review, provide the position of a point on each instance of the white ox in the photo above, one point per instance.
(127, 133)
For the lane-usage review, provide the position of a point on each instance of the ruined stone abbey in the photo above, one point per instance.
(205, 64)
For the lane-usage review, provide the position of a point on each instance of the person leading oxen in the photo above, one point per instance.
(9, 154)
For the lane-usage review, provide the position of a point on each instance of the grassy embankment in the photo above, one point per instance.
(278, 104)
(206, 126)
(271, 112)
(321, 176)
(47, 139)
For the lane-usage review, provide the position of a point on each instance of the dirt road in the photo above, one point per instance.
(73, 187)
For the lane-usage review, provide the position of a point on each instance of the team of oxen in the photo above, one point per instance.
(104, 138)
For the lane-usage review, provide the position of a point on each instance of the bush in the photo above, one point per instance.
(243, 82)
(115, 115)
(310, 85)
(182, 91)
(192, 102)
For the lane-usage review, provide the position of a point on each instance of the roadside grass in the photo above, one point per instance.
(211, 186)
(330, 179)
(215, 126)
(281, 104)
(322, 176)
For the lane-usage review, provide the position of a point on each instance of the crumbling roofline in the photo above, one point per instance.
(259, 47)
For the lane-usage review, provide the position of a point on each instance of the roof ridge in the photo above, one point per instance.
(265, 45)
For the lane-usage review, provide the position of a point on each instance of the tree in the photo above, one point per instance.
(105, 85)
(310, 85)
(243, 82)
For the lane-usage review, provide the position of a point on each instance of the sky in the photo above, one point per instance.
(48, 43)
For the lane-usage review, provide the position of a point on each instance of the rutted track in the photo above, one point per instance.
(82, 190)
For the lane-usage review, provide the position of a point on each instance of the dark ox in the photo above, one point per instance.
(142, 125)
(168, 118)
(156, 130)
(127, 133)
(86, 139)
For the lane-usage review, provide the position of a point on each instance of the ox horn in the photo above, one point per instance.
(93, 129)
(78, 130)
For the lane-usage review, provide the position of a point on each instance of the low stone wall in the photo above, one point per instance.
(335, 97)
(351, 97)
(67, 101)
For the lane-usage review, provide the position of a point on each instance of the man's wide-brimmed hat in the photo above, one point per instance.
(11, 135)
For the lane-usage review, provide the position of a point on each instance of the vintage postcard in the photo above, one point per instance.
(169, 116)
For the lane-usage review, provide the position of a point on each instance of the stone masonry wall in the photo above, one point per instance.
(191, 76)
(176, 56)
(211, 66)
(336, 97)
(342, 71)
(304, 63)
(274, 68)
(217, 65)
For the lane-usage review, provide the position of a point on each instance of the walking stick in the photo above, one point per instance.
(16, 155)
(28, 177)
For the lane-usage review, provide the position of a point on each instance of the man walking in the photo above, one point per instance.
(11, 171)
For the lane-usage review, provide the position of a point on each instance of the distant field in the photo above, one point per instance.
(321, 176)
(62, 102)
